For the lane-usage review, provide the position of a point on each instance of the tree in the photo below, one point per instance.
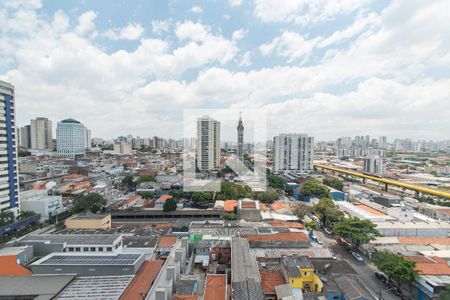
(6, 218)
(230, 216)
(356, 230)
(334, 183)
(229, 190)
(201, 197)
(24, 214)
(313, 187)
(92, 202)
(147, 195)
(177, 194)
(170, 205)
(396, 267)
(268, 197)
(327, 212)
(23, 153)
(311, 225)
(274, 181)
(146, 178)
(445, 293)
(129, 182)
(301, 210)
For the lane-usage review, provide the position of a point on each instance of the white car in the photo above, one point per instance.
(357, 256)
(328, 230)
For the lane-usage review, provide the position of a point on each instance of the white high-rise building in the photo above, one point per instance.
(382, 142)
(122, 148)
(41, 134)
(88, 138)
(293, 152)
(373, 164)
(70, 138)
(208, 143)
(25, 137)
(9, 185)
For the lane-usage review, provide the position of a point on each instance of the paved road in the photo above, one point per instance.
(364, 269)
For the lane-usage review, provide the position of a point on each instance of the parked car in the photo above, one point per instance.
(333, 255)
(381, 276)
(357, 256)
(328, 230)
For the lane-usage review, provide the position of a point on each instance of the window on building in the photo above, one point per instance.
(109, 249)
(100, 249)
(70, 249)
(92, 249)
(85, 249)
(78, 249)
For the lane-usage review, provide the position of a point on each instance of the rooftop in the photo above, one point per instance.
(216, 287)
(291, 266)
(280, 236)
(166, 241)
(352, 287)
(430, 265)
(88, 259)
(10, 267)
(95, 287)
(88, 216)
(164, 198)
(41, 287)
(270, 279)
(423, 241)
(143, 281)
(74, 239)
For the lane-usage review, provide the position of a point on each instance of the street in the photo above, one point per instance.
(364, 269)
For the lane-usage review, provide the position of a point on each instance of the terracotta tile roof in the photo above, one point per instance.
(430, 265)
(185, 297)
(10, 267)
(164, 197)
(262, 207)
(280, 223)
(166, 241)
(132, 199)
(280, 236)
(445, 211)
(216, 287)
(143, 281)
(248, 204)
(423, 241)
(270, 279)
(279, 205)
(370, 210)
(229, 205)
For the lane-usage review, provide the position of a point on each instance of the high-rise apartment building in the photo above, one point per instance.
(208, 143)
(240, 140)
(41, 134)
(293, 152)
(70, 138)
(373, 164)
(88, 139)
(382, 142)
(25, 137)
(9, 186)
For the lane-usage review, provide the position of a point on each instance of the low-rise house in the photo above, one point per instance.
(300, 273)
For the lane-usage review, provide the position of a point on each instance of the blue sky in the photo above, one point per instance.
(326, 68)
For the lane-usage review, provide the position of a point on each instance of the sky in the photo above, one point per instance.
(325, 68)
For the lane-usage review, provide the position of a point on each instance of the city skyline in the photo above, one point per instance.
(196, 55)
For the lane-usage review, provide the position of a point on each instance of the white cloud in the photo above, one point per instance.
(130, 32)
(160, 27)
(192, 31)
(389, 72)
(239, 34)
(290, 45)
(246, 59)
(196, 10)
(235, 2)
(86, 23)
(304, 11)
